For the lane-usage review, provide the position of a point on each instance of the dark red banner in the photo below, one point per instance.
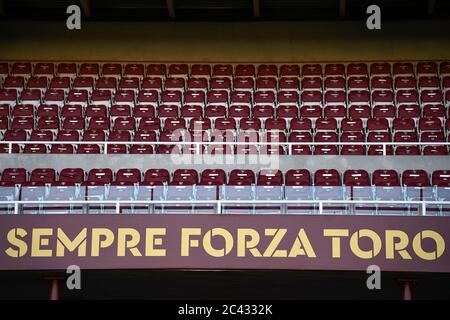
(296, 242)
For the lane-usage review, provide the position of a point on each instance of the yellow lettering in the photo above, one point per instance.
(37, 242)
(128, 238)
(400, 246)
(64, 242)
(186, 241)
(21, 245)
(376, 244)
(271, 250)
(207, 242)
(97, 243)
(152, 241)
(244, 244)
(301, 241)
(335, 235)
(437, 238)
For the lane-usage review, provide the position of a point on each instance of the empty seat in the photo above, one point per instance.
(130, 83)
(99, 123)
(22, 123)
(13, 176)
(349, 124)
(434, 110)
(327, 184)
(383, 69)
(67, 69)
(215, 97)
(288, 97)
(197, 84)
(359, 97)
(127, 176)
(381, 83)
(310, 97)
(384, 111)
(71, 176)
(244, 84)
(409, 111)
(200, 70)
(23, 110)
(387, 185)
(287, 111)
(358, 83)
(267, 84)
(289, 71)
(358, 187)
(403, 68)
(378, 124)
(269, 187)
(220, 83)
(239, 111)
(334, 83)
(151, 85)
(241, 98)
(263, 111)
(405, 83)
(417, 186)
(264, 98)
(311, 70)
(430, 124)
(427, 68)
(148, 97)
(357, 69)
(311, 111)
(334, 70)
(175, 84)
(225, 124)
(326, 124)
(179, 70)
(156, 70)
(289, 84)
(441, 179)
(312, 83)
(298, 187)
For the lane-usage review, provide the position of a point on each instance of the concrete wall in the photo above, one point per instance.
(219, 42)
(143, 162)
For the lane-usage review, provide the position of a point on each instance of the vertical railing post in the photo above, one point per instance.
(424, 208)
(54, 289)
(320, 207)
(219, 207)
(117, 207)
(16, 208)
(384, 149)
(9, 148)
(105, 148)
(407, 285)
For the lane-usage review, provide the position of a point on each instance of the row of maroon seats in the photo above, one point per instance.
(335, 83)
(256, 123)
(220, 111)
(293, 177)
(225, 70)
(222, 97)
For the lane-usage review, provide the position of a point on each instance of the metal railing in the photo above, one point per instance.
(219, 204)
(198, 145)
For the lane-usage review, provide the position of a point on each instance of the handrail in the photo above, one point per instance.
(219, 203)
(200, 143)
